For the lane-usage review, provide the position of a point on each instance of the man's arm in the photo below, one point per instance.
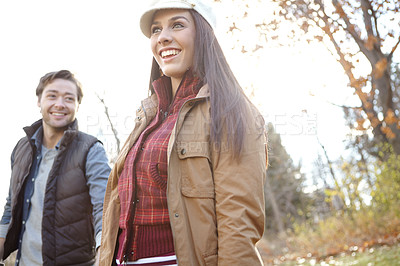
(2, 240)
(5, 221)
(97, 172)
(6, 218)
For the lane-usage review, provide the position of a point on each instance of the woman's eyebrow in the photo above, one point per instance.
(172, 19)
(179, 17)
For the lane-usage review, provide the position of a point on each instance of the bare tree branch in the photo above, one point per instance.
(114, 130)
(366, 6)
(330, 165)
(393, 49)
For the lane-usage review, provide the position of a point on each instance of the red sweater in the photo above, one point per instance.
(145, 230)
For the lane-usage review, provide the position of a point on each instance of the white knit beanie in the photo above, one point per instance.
(203, 7)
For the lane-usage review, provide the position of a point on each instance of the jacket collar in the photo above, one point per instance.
(150, 104)
(204, 92)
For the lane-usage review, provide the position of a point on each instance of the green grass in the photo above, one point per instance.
(379, 256)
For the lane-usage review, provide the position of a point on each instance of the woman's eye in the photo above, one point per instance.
(177, 25)
(155, 30)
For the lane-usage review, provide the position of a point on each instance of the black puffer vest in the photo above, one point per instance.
(67, 225)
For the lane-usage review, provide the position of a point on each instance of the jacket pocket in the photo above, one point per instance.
(155, 175)
(211, 260)
(197, 177)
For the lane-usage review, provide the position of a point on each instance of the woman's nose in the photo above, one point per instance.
(164, 37)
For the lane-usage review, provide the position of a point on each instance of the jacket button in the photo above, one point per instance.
(176, 215)
(183, 151)
(138, 118)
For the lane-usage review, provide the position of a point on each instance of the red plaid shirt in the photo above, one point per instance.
(149, 233)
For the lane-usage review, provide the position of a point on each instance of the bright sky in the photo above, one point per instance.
(101, 43)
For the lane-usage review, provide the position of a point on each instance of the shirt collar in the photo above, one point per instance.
(37, 139)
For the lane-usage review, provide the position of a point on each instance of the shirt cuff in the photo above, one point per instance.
(4, 229)
(98, 240)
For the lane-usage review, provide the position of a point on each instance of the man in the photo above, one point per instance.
(59, 174)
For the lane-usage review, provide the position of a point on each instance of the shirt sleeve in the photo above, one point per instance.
(239, 202)
(97, 172)
(6, 218)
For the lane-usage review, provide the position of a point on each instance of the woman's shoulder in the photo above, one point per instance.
(253, 112)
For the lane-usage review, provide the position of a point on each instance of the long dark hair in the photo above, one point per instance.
(227, 99)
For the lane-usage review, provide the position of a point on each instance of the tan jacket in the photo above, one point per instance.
(216, 204)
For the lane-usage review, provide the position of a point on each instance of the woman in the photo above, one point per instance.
(187, 187)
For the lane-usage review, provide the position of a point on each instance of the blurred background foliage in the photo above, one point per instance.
(353, 200)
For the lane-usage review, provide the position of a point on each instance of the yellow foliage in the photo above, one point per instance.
(343, 232)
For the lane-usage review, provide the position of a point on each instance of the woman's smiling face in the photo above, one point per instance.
(172, 39)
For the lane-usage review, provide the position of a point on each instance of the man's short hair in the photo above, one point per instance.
(62, 74)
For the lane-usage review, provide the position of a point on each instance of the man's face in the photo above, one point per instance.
(58, 104)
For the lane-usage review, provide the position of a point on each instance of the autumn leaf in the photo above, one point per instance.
(390, 117)
(319, 38)
(360, 124)
(358, 83)
(233, 27)
(368, 105)
(388, 132)
(375, 122)
(380, 68)
(369, 44)
(363, 96)
(370, 115)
